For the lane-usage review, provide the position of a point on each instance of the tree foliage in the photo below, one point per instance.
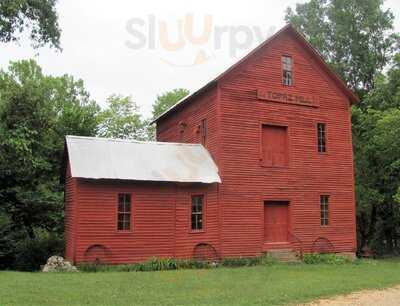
(167, 100)
(355, 37)
(377, 155)
(386, 93)
(377, 174)
(38, 16)
(36, 111)
(164, 102)
(121, 119)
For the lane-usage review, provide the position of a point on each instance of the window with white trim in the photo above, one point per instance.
(321, 130)
(124, 212)
(197, 212)
(287, 70)
(324, 206)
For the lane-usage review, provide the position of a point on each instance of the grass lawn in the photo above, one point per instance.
(261, 285)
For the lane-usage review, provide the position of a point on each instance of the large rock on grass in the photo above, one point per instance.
(58, 264)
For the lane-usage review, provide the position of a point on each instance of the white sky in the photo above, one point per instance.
(94, 41)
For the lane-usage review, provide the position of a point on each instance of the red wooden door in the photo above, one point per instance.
(274, 146)
(276, 222)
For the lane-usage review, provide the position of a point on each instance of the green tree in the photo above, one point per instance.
(386, 93)
(121, 119)
(355, 37)
(376, 148)
(164, 102)
(377, 152)
(36, 111)
(38, 16)
(167, 99)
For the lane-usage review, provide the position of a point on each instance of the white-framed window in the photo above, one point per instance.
(324, 205)
(287, 70)
(321, 131)
(124, 212)
(197, 212)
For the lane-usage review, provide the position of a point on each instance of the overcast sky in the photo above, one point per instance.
(137, 48)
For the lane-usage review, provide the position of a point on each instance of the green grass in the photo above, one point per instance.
(275, 284)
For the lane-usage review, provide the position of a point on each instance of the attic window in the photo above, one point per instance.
(287, 68)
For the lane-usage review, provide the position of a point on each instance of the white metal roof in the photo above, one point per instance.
(103, 158)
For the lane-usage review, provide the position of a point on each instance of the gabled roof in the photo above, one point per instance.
(103, 158)
(353, 98)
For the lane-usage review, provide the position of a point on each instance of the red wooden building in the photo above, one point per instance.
(258, 159)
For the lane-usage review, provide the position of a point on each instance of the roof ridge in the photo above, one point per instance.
(131, 140)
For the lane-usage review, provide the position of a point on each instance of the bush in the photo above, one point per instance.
(163, 264)
(155, 264)
(152, 264)
(241, 262)
(30, 254)
(331, 259)
(194, 264)
(247, 261)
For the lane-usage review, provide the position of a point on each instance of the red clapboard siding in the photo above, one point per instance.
(205, 107)
(235, 214)
(246, 184)
(160, 221)
(70, 215)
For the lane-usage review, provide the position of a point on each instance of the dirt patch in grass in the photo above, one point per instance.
(385, 297)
